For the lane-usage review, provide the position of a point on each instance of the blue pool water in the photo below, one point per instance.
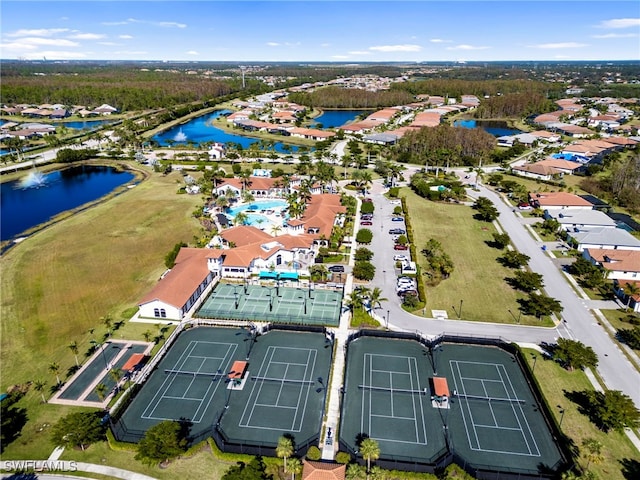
(257, 206)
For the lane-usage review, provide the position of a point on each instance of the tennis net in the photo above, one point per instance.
(489, 399)
(393, 390)
(289, 302)
(282, 380)
(325, 304)
(212, 375)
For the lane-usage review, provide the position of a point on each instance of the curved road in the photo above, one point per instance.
(578, 322)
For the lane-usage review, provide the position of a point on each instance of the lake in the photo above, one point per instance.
(337, 118)
(83, 125)
(494, 127)
(53, 193)
(201, 129)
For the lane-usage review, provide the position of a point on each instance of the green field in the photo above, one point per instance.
(555, 381)
(477, 279)
(59, 283)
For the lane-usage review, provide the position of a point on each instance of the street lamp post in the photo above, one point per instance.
(561, 410)
(517, 319)
(535, 359)
(387, 325)
(460, 310)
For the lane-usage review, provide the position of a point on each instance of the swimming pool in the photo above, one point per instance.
(257, 206)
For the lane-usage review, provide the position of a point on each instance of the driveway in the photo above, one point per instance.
(577, 321)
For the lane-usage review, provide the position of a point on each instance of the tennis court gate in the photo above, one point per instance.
(481, 472)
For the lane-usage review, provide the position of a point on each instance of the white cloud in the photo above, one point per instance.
(56, 42)
(552, 46)
(616, 35)
(273, 44)
(359, 52)
(467, 47)
(620, 23)
(324, 45)
(87, 36)
(340, 57)
(110, 44)
(192, 52)
(148, 22)
(37, 32)
(125, 37)
(396, 48)
(439, 40)
(17, 46)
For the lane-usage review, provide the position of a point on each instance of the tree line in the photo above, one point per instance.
(337, 97)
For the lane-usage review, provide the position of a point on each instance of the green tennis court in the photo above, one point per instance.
(273, 304)
(278, 389)
(490, 418)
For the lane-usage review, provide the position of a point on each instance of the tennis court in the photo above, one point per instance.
(273, 304)
(490, 418)
(206, 378)
(387, 397)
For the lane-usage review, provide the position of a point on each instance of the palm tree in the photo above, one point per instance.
(115, 374)
(147, 335)
(101, 391)
(276, 229)
(354, 301)
(55, 369)
(284, 449)
(222, 202)
(295, 467)
(38, 386)
(106, 320)
(240, 218)
(593, 452)
(375, 297)
(370, 450)
(630, 289)
(73, 346)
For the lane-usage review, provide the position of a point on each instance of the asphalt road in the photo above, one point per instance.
(578, 322)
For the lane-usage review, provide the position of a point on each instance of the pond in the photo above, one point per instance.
(83, 125)
(337, 118)
(494, 127)
(37, 197)
(201, 129)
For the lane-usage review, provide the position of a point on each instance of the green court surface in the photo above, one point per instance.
(113, 354)
(491, 420)
(273, 304)
(282, 390)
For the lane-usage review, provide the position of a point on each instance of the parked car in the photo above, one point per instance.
(396, 202)
(367, 200)
(366, 222)
(397, 219)
(366, 216)
(524, 206)
(336, 268)
(400, 258)
(397, 231)
(399, 246)
(408, 291)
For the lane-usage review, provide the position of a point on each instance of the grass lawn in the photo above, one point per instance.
(59, 283)
(478, 278)
(618, 320)
(555, 381)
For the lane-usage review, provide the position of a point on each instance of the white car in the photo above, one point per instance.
(400, 258)
(396, 202)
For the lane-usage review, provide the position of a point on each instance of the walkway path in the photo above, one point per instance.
(70, 467)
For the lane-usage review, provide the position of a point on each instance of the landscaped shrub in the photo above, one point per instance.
(364, 236)
(363, 254)
(367, 207)
(314, 453)
(394, 191)
(343, 458)
(364, 270)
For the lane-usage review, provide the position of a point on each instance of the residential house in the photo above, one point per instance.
(558, 200)
(618, 264)
(577, 219)
(603, 238)
(537, 171)
(632, 301)
(566, 167)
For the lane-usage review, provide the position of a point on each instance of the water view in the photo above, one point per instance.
(201, 129)
(337, 118)
(37, 197)
(495, 128)
(83, 125)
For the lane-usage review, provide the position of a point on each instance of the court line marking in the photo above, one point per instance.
(475, 425)
(368, 369)
(205, 400)
(254, 395)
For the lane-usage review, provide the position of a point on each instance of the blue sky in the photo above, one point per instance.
(299, 30)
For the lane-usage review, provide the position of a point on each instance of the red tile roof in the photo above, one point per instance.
(558, 199)
(322, 470)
